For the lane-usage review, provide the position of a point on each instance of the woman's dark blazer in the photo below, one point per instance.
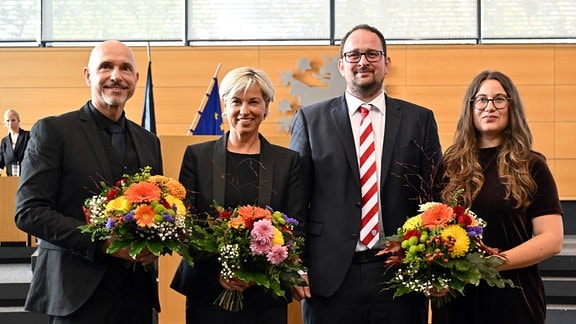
(203, 174)
(9, 155)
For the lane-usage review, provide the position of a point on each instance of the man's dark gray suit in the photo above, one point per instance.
(323, 136)
(66, 158)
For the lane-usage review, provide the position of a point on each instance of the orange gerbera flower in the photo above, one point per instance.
(437, 216)
(253, 213)
(237, 222)
(144, 216)
(142, 192)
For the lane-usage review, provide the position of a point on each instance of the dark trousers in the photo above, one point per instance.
(129, 301)
(202, 313)
(362, 300)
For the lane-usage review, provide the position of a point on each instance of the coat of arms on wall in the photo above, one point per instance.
(309, 85)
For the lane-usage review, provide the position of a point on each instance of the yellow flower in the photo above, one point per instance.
(278, 239)
(462, 241)
(412, 223)
(118, 204)
(180, 208)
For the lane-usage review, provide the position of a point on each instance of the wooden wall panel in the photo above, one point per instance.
(448, 65)
(565, 133)
(441, 66)
(46, 81)
(445, 101)
(42, 67)
(565, 64)
(565, 178)
(538, 101)
(565, 101)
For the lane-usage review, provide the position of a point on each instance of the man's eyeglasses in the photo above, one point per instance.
(499, 102)
(371, 55)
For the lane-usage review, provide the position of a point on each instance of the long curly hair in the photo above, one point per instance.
(462, 169)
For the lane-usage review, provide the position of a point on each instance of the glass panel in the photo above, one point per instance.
(127, 20)
(529, 19)
(19, 20)
(213, 20)
(288, 21)
(410, 19)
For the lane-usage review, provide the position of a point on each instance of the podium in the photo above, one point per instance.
(9, 233)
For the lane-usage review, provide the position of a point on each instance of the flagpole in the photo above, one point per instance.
(149, 53)
(203, 103)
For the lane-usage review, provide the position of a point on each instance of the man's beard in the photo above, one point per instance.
(367, 89)
(115, 100)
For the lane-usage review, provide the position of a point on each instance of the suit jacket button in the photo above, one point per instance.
(355, 236)
(359, 204)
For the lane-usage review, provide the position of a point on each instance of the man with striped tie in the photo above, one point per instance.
(365, 158)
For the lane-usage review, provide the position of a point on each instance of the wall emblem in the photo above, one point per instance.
(309, 85)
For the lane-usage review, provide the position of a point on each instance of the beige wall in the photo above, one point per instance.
(45, 81)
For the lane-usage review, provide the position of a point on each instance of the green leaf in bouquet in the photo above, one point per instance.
(117, 245)
(171, 245)
(276, 288)
(401, 290)
(137, 247)
(258, 278)
(488, 270)
(155, 247)
(184, 251)
(292, 278)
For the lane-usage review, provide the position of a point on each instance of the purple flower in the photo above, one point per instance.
(475, 230)
(277, 254)
(289, 220)
(168, 217)
(110, 223)
(129, 217)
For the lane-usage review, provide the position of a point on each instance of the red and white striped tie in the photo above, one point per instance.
(368, 180)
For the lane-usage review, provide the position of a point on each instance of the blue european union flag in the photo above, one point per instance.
(210, 122)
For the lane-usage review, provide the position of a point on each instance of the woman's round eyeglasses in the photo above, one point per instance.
(481, 102)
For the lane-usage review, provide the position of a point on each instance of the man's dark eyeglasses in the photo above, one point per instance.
(371, 55)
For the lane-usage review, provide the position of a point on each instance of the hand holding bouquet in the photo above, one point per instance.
(140, 211)
(441, 250)
(256, 245)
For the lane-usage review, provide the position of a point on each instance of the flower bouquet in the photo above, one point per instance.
(140, 211)
(441, 250)
(254, 244)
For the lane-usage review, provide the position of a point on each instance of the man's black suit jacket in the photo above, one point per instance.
(64, 162)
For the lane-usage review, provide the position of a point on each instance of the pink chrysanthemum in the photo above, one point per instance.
(277, 254)
(262, 235)
(262, 229)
